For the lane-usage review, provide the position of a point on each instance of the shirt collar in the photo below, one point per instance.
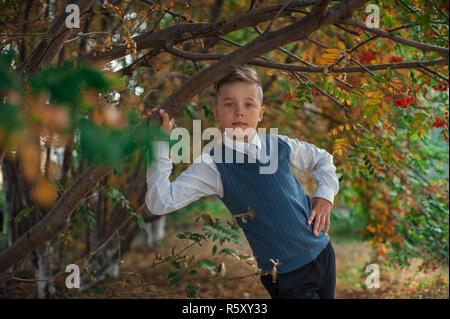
(242, 146)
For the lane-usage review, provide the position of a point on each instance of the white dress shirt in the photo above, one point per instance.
(202, 178)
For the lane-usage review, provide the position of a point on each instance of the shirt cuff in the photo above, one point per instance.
(324, 192)
(161, 150)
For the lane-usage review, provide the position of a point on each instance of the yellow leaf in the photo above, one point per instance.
(373, 101)
(44, 192)
(335, 51)
(396, 157)
(376, 94)
(374, 118)
(416, 123)
(341, 45)
(270, 72)
(397, 84)
(330, 56)
(321, 61)
(387, 108)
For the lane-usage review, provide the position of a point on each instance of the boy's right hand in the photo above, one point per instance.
(167, 124)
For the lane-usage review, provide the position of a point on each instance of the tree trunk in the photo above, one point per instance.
(155, 231)
(42, 261)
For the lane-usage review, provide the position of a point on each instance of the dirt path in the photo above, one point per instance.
(139, 280)
(351, 260)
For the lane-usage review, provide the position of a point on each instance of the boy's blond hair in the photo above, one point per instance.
(243, 73)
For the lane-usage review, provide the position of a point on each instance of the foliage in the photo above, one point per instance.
(60, 102)
(119, 199)
(187, 270)
(387, 129)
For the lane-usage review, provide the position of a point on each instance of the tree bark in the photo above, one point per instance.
(55, 220)
(53, 41)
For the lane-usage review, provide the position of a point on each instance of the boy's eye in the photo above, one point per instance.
(230, 104)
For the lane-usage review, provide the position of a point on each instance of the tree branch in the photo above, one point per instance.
(54, 40)
(396, 38)
(307, 68)
(54, 221)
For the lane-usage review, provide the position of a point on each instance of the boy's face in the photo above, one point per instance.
(239, 106)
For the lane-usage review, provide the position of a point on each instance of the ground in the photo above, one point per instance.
(352, 258)
(139, 279)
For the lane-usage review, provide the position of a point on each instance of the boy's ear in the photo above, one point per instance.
(261, 113)
(216, 117)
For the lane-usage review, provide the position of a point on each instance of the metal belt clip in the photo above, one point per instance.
(274, 269)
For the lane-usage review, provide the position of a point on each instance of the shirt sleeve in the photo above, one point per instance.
(306, 156)
(163, 196)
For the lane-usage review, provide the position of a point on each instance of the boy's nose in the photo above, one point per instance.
(239, 110)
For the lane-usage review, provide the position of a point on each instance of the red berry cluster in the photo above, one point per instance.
(288, 96)
(440, 123)
(367, 57)
(160, 67)
(404, 102)
(396, 59)
(441, 87)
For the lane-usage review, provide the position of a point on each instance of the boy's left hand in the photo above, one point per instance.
(321, 209)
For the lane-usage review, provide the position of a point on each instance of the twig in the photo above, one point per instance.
(88, 34)
(396, 38)
(277, 15)
(433, 72)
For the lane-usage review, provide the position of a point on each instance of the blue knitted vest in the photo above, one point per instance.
(279, 229)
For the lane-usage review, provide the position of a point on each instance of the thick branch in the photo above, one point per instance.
(319, 17)
(183, 32)
(55, 220)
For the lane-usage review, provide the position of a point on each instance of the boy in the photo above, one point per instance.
(286, 233)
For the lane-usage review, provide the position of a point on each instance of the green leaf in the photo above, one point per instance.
(192, 291)
(228, 251)
(380, 78)
(175, 280)
(173, 274)
(176, 264)
(9, 78)
(207, 264)
(389, 74)
(97, 291)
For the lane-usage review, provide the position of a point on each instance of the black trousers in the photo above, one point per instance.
(315, 280)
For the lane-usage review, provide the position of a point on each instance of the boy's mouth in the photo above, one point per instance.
(238, 124)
